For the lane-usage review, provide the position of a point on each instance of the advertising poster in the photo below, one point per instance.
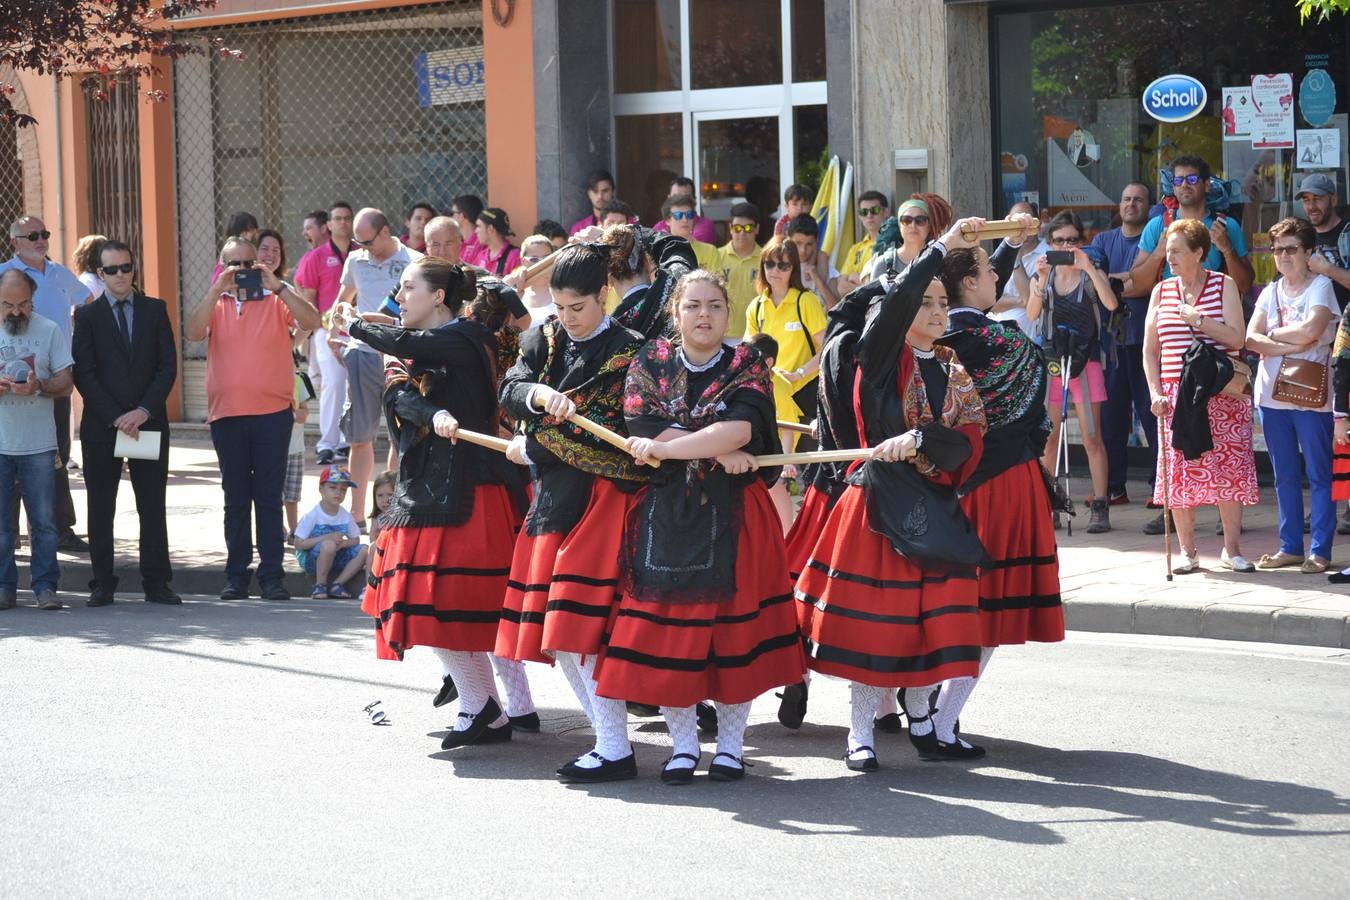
(1319, 148)
(1273, 112)
(1237, 114)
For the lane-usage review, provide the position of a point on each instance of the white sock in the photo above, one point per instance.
(473, 676)
(731, 719)
(682, 723)
(889, 704)
(443, 657)
(919, 707)
(519, 701)
(866, 699)
(570, 663)
(952, 699)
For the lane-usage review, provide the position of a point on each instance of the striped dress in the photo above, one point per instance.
(1226, 474)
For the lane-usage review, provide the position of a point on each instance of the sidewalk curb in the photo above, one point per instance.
(1222, 621)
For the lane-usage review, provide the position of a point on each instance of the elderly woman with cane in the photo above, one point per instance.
(1201, 395)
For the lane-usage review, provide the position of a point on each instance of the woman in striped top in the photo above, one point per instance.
(1196, 304)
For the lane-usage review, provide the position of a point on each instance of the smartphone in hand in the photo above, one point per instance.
(248, 284)
(1059, 257)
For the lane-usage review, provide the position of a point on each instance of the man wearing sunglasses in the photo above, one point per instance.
(1228, 247)
(678, 215)
(873, 208)
(704, 230)
(59, 292)
(738, 261)
(125, 366)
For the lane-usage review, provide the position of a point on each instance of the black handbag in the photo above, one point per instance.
(921, 519)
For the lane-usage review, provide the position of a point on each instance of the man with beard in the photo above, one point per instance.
(1126, 387)
(1317, 193)
(35, 369)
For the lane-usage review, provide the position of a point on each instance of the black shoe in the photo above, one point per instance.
(343, 454)
(100, 597)
(1155, 526)
(1118, 498)
(792, 711)
(889, 723)
(528, 723)
(275, 591)
(71, 542)
(1343, 527)
(933, 750)
(722, 772)
(235, 590)
(447, 693)
(707, 718)
(499, 735)
(867, 764)
(1099, 517)
(326, 457)
(679, 776)
(477, 726)
(1339, 578)
(163, 595)
(608, 770)
(642, 710)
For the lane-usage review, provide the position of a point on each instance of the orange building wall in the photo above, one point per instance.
(508, 70)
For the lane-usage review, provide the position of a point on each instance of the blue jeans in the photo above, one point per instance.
(1126, 397)
(34, 475)
(252, 453)
(1291, 434)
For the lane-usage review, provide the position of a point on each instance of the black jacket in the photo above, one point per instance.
(113, 378)
(1205, 371)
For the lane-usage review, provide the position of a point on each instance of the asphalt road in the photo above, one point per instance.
(221, 750)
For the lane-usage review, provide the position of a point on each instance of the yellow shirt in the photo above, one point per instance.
(794, 323)
(706, 254)
(740, 274)
(857, 257)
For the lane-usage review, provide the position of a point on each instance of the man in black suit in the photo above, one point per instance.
(125, 366)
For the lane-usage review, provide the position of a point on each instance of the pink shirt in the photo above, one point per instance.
(249, 371)
(504, 262)
(704, 229)
(320, 270)
(471, 253)
(583, 223)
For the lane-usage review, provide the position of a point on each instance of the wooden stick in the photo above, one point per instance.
(799, 427)
(482, 440)
(541, 266)
(603, 433)
(995, 231)
(815, 456)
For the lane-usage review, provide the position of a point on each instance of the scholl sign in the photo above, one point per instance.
(1174, 98)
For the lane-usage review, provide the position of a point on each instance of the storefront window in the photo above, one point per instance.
(649, 153)
(1071, 129)
(737, 160)
(735, 44)
(808, 40)
(646, 45)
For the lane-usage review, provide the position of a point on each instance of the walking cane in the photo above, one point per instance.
(1166, 496)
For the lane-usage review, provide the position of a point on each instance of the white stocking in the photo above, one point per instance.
(570, 663)
(952, 699)
(682, 723)
(865, 700)
(918, 707)
(889, 704)
(443, 657)
(731, 719)
(473, 676)
(519, 702)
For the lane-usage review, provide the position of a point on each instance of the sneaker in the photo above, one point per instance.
(1155, 526)
(1099, 517)
(326, 457)
(47, 600)
(72, 543)
(1188, 565)
(1118, 498)
(8, 598)
(1238, 563)
(343, 454)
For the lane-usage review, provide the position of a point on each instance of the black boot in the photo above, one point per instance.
(1099, 517)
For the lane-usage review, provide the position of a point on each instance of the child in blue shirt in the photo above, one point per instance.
(327, 538)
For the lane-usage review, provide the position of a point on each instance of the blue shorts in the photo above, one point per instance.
(309, 559)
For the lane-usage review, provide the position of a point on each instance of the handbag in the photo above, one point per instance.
(1301, 382)
(1240, 385)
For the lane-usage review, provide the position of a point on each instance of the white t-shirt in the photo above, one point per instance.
(1294, 310)
(315, 517)
(375, 281)
(832, 278)
(26, 423)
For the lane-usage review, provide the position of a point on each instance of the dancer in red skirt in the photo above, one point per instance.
(1340, 407)
(1007, 498)
(565, 568)
(440, 567)
(889, 597)
(706, 609)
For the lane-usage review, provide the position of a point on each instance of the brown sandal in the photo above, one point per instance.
(1278, 560)
(1315, 565)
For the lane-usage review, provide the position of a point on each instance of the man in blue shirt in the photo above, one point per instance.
(1126, 387)
(58, 293)
(1228, 248)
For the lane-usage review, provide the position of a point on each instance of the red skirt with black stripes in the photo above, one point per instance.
(1019, 590)
(442, 586)
(1340, 472)
(872, 616)
(564, 586)
(677, 654)
(805, 531)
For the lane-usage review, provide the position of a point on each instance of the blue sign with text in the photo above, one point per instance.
(1317, 97)
(1174, 98)
(449, 76)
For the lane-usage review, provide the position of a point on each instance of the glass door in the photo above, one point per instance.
(737, 157)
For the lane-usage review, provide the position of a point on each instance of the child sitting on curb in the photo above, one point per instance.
(327, 538)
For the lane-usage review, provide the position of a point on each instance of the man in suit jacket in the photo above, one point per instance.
(125, 366)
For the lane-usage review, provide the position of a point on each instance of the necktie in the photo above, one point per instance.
(122, 321)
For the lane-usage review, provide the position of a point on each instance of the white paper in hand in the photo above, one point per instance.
(146, 446)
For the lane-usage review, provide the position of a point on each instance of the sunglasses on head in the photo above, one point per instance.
(913, 220)
(241, 263)
(742, 229)
(123, 268)
(1179, 180)
(781, 265)
(34, 235)
(681, 214)
(869, 211)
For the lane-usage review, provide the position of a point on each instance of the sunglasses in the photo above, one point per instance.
(364, 244)
(124, 269)
(682, 214)
(530, 259)
(33, 236)
(1286, 250)
(1066, 242)
(241, 263)
(742, 229)
(913, 220)
(1179, 180)
(869, 211)
(781, 265)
